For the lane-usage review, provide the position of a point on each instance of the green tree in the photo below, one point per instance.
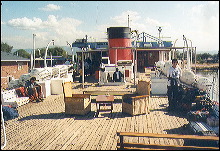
(215, 56)
(5, 47)
(56, 51)
(205, 56)
(22, 53)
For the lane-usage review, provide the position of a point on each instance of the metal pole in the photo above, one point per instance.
(191, 51)
(3, 126)
(195, 60)
(135, 57)
(159, 29)
(34, 50)
(134, 65)
(31, 60)
(184, 51)
(83, 71)
(128, 20)
(174, 54)
(82, 68)
(188, 57)
(72, 55)
(135, 62)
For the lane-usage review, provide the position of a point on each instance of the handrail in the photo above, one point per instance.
(129, 145)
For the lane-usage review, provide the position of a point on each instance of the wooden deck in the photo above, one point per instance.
(44, 126)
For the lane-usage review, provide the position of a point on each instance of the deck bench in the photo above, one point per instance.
(121, 145)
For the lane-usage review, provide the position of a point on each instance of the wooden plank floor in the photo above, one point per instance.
(44, 126)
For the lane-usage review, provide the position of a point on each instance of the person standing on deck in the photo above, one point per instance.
(117, 76)
(173, 75)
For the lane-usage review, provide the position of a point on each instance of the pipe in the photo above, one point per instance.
(45, 57)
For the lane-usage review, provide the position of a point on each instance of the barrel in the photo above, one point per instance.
(119, 37)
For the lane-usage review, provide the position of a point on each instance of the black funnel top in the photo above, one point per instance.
(119, 32)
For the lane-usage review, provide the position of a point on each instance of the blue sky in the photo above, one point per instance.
(63, 21)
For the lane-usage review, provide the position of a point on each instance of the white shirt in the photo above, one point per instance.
(174, 73)
(117, 73)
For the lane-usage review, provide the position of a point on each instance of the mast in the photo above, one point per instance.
(128, 20)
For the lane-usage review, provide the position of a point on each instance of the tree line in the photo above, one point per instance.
(200, 57)
(39, 52)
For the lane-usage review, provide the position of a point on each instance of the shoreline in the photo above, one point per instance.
(205, 66)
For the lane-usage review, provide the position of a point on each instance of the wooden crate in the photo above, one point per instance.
(143, 87)
(136, 105)
(79, 104)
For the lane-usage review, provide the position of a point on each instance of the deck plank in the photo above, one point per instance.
(111, 132)
(44, 126)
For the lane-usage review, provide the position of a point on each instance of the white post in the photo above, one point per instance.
(195, 60)
(51, 59)
(45, 56)
(191, 51)
(31, 60)
(175, 49)
(162, 55)
(188, 59)
(135, 60)
(169, 55)
(34, 50)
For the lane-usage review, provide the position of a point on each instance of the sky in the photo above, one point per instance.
(64, 21)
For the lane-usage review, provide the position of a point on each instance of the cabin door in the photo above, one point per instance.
(142, 60)
(152, 58)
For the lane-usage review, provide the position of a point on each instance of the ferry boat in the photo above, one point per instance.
(45, 125)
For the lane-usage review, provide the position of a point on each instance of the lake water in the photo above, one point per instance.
(213, 76)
